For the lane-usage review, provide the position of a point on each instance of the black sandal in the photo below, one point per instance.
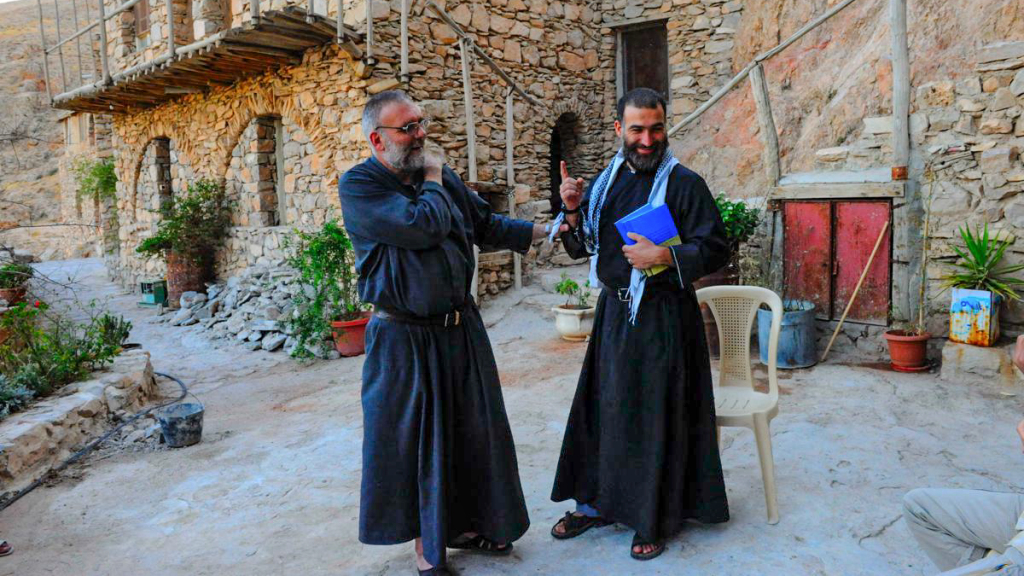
(576, 525)
(437, 571)
(659, 547)
(481, 545)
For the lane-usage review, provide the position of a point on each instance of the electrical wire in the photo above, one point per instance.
(92, 445)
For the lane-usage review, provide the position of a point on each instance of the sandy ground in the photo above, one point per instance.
(273, 488)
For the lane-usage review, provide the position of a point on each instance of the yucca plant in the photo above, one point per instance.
(978, 265)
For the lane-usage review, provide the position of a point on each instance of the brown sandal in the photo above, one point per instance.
(5, 548)
(576, 525)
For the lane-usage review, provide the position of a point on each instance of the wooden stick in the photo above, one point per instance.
(900, 83)
(863, 275)
(769, 137)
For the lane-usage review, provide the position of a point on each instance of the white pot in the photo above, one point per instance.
(574, 324)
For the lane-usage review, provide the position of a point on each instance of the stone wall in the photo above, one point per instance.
(35, 441)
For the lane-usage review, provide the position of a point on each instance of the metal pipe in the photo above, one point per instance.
(369, 32)
(254, 11)
(339, 17)
(76, 36)
(900, 84)
(404, 74)
(170, 27)
(467, 95)
(78, 44)
(46, 55)
(310, 10)
(103, 45)
(92, 48)
(126, 6)
(60, 52)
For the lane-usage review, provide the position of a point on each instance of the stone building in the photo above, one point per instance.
(270, 105)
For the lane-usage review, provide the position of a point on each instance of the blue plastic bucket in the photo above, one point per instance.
(798, 338)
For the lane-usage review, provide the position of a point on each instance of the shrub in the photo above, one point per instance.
(15, 275)
(740, 220)
(574, 292)
(95, 177)
(192, 224)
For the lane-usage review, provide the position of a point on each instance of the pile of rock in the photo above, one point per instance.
(250, 308)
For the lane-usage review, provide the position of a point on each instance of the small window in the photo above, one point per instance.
(141, 19)
(644, 52)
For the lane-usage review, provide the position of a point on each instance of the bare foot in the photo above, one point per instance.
(560, 526)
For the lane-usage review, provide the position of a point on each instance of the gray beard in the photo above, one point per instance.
(405, 161)
(645, 163)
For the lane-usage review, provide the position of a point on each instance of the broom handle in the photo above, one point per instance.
(856, 290)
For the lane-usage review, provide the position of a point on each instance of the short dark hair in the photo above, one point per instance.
(375, 105)
(640, 98)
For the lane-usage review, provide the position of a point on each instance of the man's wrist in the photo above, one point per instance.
(666, 257)
(569, 212)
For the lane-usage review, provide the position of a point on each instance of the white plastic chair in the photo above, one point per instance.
(736, 401)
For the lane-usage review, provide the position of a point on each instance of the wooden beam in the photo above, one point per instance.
(170, 27)
(769, 137)
(60, 51)
(103, 46)
(404, 74)
(369, 32)
(838, 190)
(467, 97)
(900, 87)
(510, 180)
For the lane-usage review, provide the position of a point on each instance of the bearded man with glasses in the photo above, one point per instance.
(439, 463)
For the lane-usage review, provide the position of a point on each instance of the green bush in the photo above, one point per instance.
(576, 296)
(192, 224)
(328, 291)
(44, 351)
(96, 177)
(15, 275)
(12, 396)
(740, 220)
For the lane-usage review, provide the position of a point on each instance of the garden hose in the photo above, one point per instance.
(92, 445)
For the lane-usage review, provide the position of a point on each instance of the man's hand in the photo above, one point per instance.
(1018, 353)
(646, 254)
(542, 230)
(571, 192)
(432, 163)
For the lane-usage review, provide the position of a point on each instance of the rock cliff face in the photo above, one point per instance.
(823, 86)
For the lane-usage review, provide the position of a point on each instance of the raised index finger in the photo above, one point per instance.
(565, 171)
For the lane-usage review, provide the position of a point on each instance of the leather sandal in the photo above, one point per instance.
(441, 570)
(576, 525)
(481, 545)
(659, 547)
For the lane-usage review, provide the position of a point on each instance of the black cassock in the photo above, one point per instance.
(438, 456)
(640, 443)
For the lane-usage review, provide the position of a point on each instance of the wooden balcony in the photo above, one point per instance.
(277, 38)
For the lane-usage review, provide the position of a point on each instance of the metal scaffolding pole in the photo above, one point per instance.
(103, 45)
(60, 51)
(170, 28)
(78, 42)
(46, 54)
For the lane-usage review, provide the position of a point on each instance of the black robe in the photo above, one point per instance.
(438, 455)
(640, 443)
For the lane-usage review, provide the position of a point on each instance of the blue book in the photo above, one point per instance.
(652, 222)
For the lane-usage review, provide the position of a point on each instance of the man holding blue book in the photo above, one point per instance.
(640, 446)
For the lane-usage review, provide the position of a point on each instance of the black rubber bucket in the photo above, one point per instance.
(182, 424)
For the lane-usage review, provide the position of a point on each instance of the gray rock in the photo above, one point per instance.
(233, 282)
(964, 363)
(255, 336)
(190, 321)
(270, 312)
(243, 335)
(273, 340)
(252, 345)
(202, 313)
(186, 298)
(182, 315)
(1017, 86)
(264, 325)
(235, 324)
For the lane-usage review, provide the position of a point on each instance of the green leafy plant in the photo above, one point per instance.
(96, 177)
(112, 330)
(977, 266)
(15, 275)
(192, 224)
(741, 221)
(13, 397)
(327, 291)
(577, 297)
(44, 351)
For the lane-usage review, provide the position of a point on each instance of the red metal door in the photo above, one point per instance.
(808, 254)
(857, 225)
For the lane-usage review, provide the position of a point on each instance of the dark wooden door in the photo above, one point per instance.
(645, 58)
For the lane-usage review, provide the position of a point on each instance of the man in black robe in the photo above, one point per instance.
(439, 464)
(640, 445)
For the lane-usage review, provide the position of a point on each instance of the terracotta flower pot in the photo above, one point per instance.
(350, 335)
(184, 275)
(13, 295)
(908, 351)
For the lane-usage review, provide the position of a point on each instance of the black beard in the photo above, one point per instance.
(645, 163)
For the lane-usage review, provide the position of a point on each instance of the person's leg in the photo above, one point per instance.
(587, 510)
(956, 526)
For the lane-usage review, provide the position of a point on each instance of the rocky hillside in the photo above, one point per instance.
(31, 138)
(824, 85)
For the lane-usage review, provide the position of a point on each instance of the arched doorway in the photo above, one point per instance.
(564, 147)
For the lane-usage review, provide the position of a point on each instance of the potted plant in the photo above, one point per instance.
(741, 221)
(13, 280)
(574, 320)
(191, 227)
(979, 285)
(327, 301)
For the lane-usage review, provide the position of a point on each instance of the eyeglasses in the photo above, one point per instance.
(409, 128)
